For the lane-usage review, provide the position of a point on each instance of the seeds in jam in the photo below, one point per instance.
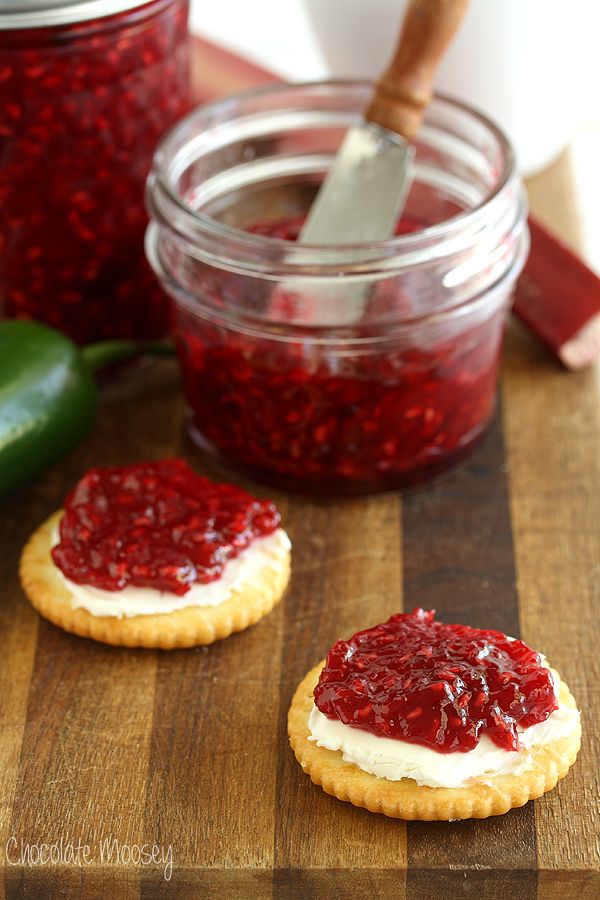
(442, 686)
(82, 106)
(335, 421)
(157, 525)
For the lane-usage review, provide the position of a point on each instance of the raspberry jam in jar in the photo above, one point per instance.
(86, 90)
(334, 370)
(441, 686)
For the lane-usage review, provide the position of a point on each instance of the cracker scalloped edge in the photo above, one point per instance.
(405, 799)
(189, 627)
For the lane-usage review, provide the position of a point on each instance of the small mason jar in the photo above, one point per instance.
(344, 369)
(87, 87)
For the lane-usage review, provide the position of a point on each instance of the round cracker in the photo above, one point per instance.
(405, 799)
(188, 627)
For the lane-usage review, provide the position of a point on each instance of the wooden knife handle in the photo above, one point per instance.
(405, 88)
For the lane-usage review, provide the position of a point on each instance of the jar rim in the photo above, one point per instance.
(490, 296)
(322, 256)
(48, 13)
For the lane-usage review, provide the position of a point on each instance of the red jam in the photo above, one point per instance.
(156, 525)
(442, 686)
(83, 106)
(337, 423)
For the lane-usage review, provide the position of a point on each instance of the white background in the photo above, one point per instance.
(532, 64)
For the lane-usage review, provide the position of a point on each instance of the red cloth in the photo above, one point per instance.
(216, 72)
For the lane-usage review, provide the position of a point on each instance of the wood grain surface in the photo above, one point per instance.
(188, 750)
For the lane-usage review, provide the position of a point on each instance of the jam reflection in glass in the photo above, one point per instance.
(83, 106)
(338, 420)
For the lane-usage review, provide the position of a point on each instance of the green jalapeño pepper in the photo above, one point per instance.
(48, 394)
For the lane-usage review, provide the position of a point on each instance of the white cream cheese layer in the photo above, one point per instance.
(394, 759)
(264, 553)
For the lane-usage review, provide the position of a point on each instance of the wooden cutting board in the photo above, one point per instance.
(187, 750)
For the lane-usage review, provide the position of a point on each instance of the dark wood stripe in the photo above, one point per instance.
(458, 559)
(339, 884)
(73, 883)
(192, 883)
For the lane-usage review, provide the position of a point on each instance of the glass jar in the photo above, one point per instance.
(334, 370)
(86, 90)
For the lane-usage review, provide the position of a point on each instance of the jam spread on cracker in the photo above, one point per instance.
(441, 686)
(158, 525)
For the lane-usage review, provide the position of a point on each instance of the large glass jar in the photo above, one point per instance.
(86, 90)
(341, 369)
